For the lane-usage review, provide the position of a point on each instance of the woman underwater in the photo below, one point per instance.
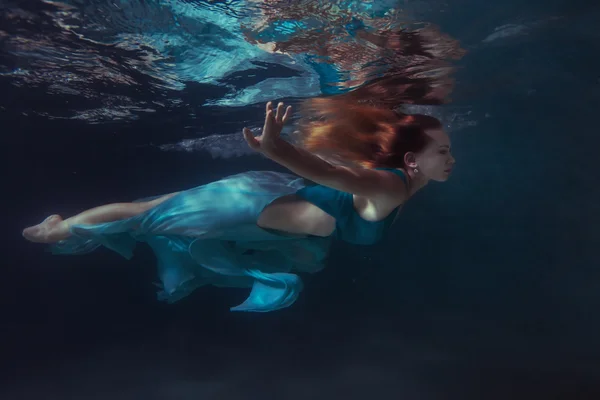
(256, 228)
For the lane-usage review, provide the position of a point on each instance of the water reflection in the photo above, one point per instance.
(120, 60)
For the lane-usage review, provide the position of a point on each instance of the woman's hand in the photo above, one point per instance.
(274, 122)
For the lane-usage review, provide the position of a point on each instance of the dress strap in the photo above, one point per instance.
(398, 172)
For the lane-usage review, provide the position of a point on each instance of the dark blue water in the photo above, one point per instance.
(488, 287)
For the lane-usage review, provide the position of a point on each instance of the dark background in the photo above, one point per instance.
(488, 287)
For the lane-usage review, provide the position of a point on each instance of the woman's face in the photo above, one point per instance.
(435, 161)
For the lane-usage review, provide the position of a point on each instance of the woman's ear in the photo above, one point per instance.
(410, 159)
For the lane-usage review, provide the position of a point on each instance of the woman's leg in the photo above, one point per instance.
(54, 228)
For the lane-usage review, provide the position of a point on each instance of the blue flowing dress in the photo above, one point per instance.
(209, 235)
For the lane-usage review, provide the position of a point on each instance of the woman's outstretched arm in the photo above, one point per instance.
(359, 181)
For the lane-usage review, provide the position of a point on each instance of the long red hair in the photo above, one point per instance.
(364, 135)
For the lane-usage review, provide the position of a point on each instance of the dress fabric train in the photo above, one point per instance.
(208, 235)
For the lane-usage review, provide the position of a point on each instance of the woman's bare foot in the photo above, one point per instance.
(49, 231)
